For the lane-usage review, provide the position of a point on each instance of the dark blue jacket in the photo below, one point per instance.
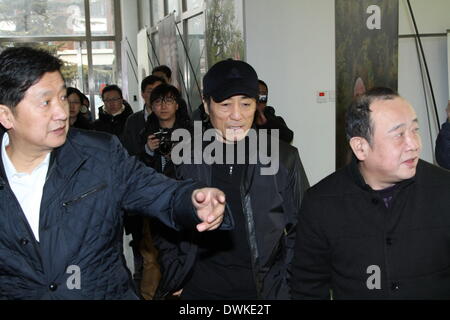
(443, 146)
(90, 180)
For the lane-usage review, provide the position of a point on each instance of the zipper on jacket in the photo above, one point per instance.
(246, 202)
(84, 195)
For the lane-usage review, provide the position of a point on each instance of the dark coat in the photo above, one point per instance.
(83, 123)
(133, 130)
(345, 230)
(443, 146)
(270, 204)
(112, 124)
(277, 122)
(90, 179)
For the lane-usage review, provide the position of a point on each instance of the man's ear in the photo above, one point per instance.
(206, 105)
(5, 116)
(360, 147)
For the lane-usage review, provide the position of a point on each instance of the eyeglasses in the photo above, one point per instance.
(168, 100)
(262, 98)
(112, 100)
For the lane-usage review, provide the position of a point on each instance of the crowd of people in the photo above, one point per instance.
(70, 186)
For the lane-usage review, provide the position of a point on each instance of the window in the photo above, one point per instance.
(197, 55)
(60, 27)
(207, 31)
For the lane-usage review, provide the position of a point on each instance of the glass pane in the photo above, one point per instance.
(197, 55)
(41, 18)
(102, 17)
(224, 37)
(72, 53)
(104, 68)
(157, 11)
(172, 5)
(193, 4)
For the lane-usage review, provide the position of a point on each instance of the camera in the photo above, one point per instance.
(165, 140)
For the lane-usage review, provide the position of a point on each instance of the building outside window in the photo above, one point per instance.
(84, 34)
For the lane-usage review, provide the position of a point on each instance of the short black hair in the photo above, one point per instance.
(71, 90)
(112, 87)
(151, 79)
(358, 120)
(165, 90)
(164, 69)
(21, 68)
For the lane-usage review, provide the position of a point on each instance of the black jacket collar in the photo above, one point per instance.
(358, 179)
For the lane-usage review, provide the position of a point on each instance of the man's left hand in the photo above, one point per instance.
(210, 206)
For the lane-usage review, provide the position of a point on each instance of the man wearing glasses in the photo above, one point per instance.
(114, 113)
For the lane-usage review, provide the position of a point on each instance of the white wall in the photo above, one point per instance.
(291, 45)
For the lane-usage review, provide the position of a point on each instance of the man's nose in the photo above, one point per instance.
(60, 110)
(413, 141)
(236, 112)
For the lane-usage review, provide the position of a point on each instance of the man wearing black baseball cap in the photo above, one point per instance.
(252, 260)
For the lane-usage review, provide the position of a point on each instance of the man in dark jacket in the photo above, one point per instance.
(265, 117)
(379, 227)
(62, 192)
(135, 123)
(253, 260)
(114, 113)
(443, 143)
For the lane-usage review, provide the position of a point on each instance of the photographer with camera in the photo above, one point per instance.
(166, 116)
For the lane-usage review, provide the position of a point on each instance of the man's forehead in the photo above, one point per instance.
(395, 105)
(49, 84)
(392, 113)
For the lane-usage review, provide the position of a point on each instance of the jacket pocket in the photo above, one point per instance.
(85, 194)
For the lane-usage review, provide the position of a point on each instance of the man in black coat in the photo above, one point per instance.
(114, 113)
(265, 117)
(378, 228)
(62, 192)
(135, 123)
(253, 260)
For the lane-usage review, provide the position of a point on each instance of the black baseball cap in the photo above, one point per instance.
(229, 78)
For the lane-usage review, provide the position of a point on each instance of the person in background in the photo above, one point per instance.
(164, 119)
(135, 123)
(443, 143)
(114, 113)
(265, 117)
(165, 72)
(76, 119)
